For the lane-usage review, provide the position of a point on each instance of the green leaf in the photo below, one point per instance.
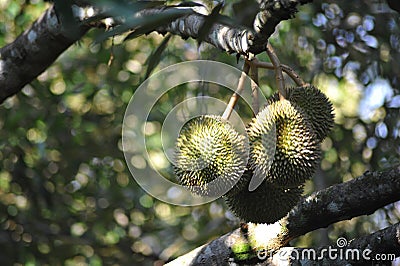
(155, 57)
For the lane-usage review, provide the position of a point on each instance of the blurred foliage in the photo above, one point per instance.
(66, 195)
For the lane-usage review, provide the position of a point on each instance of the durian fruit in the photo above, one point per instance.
(297, 148)
(210, 156)
(266, 204)
(315, 105)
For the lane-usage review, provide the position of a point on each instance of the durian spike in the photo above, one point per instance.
(210, 156)
(316, 106)
(297, 149)
(266, 204)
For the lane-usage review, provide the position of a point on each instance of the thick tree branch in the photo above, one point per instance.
(226, 38)
(38, 47)
(34, 51)
(272, 12)
(238, 40)
(363, 195)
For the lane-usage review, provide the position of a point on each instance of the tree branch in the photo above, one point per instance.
(238, 40)
(226, 38)
(360, 196)
(254, 89)
(34, 51)
(280, 81)
(235, 96)
(272, 12)
(288, 70)
(38, 47)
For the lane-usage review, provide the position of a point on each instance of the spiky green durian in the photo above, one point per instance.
(296, 152)
(266, 204)
(210, 155)
(315, 105)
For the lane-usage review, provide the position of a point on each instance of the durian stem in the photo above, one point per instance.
(254, 88)
(280, 82)
(287, 69)
(235, 96)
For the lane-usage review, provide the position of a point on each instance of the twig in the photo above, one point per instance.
(280, 82)
(111, 59)
(254, 88)
(287, 69)
(239, 89)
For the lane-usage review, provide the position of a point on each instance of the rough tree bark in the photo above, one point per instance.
(34, 51)
(38, 47)
(361, 196)
(238, 40)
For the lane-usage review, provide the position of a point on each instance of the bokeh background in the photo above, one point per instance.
(66, 195)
